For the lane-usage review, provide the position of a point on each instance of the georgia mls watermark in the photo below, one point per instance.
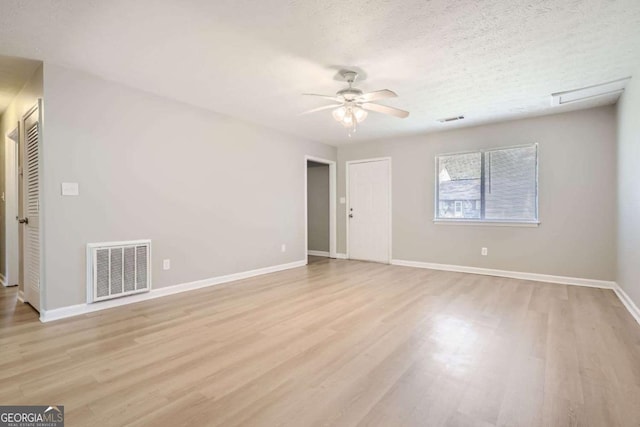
(31, 416)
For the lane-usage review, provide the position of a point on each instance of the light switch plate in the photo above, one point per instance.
(70, 189)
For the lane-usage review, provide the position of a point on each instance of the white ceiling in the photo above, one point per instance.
(489, 60)
(14, 73)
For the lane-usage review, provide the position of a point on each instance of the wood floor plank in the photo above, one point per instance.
(335, 343)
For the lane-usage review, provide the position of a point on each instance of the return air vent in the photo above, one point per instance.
(117, 269)
(451, 119)
(610, 89)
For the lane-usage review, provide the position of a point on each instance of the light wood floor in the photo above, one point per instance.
(336, 343)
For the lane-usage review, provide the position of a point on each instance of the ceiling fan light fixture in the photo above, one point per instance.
(353, 105)
(347, 120)
(339, 113)
(360, 114)
(347, 115)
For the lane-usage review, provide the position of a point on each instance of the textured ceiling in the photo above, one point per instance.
(14, 73)
(489, 60)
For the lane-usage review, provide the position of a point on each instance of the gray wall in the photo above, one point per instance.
(24, 100)
(216, 195)
(577, 180)
(318, 206)
(628, 272)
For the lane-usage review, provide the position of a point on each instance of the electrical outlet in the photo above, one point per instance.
(283, 248)
(166, 264)
(484, 252)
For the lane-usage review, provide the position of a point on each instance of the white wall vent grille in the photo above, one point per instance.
(117, 269)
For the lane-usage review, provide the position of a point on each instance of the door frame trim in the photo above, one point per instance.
(41, 209)
(332, 204)
(346, 213)
(11, 276)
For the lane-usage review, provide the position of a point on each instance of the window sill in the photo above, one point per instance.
(487, 223)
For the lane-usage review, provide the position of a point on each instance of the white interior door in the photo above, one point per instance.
(31, 208)
(369, 211)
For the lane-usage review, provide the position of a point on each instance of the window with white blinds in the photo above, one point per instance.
(499, 185)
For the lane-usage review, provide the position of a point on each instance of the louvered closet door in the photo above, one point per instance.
(31, 210)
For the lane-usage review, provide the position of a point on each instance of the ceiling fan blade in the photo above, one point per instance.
(386, 110)
(333, 98)
(325, 107)
(378, 94)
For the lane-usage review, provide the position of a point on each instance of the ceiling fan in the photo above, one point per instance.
(352, 104)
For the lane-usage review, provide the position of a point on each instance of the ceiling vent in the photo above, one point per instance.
(614, 88)
(451, 119)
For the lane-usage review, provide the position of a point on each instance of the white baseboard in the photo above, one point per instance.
(21, 296)
(563, 280)
(628, 303)
(76, 310)
(341, 256)
(318, 253)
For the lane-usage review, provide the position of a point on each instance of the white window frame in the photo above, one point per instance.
(485, 222)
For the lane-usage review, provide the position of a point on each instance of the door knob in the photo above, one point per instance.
(23, 220)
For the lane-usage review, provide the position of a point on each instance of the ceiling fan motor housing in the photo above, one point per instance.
(349, 93)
